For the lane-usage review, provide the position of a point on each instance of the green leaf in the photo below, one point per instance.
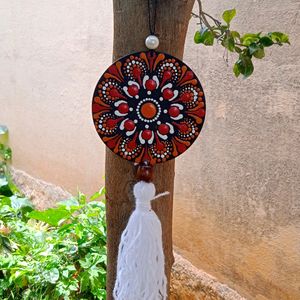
(250, 38)
(245, 65)
(228, 15)
(99, 293)
(65, 273)
(5, 201)
(260, 53)
(235, 35)
(103, 191)
(228, 42)
(204, 36)
(51, 275)
(84, 281)
(51, 216)
(71, 268)
(256, 50)
(19, 278)
(98, 194)
(73, 286)
(4, 188)
(209, 39)
(65, 228)
(236, 70)
(266, 41)
(81, 198)
(19, 203)
(14, 189)
(5, 152)
(198, 37)
(95, 196)
(279, 37)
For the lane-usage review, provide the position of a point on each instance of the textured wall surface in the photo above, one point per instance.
(237, 213)
(52, 53)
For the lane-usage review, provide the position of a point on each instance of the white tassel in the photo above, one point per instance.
(141, 264)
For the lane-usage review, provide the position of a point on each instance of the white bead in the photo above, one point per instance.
(152, 42)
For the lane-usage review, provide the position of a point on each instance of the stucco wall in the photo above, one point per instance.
(237, 189)
(52, 53)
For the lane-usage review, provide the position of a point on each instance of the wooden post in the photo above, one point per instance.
(130, 30)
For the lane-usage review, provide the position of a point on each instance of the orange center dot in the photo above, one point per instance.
(148, 110)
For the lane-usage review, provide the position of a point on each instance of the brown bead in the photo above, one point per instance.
(145, 171)
(148, 110)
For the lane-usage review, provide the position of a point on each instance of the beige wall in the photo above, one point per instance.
(52, 53)
(237, 190)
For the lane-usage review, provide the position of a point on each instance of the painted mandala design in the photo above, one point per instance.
(148, 106)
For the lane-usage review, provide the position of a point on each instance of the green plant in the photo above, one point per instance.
(58, 253)
(7, 186)
(246, 46)
(5, 151)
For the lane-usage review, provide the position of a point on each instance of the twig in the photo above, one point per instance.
(202, 17)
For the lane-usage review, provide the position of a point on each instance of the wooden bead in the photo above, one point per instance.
(145, 172)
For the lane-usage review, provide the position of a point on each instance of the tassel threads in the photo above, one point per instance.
(141, 264)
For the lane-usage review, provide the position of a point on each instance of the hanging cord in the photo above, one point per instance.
(152, 4)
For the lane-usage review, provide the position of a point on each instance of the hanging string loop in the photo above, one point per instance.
(152, 4)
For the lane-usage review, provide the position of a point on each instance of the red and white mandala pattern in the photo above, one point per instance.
(148, 106)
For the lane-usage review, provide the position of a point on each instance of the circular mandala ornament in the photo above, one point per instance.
(148, 106)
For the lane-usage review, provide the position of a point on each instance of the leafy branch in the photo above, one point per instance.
(246, 46)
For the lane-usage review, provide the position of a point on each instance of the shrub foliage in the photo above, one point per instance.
(245, 46)
(58, 253)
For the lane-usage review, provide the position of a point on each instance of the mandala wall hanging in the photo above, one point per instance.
(148, 107)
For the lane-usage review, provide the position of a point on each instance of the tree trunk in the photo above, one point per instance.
(130, 30)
